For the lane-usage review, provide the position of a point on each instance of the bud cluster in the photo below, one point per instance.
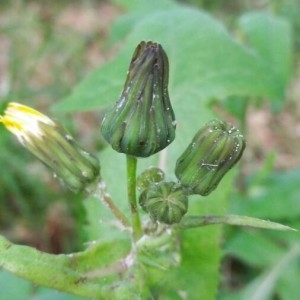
(148, 177)
(141, 123)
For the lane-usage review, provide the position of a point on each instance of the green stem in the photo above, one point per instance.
(105, 198)
(131, 190)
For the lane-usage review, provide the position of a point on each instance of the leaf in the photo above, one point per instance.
(255, 249)
(137, 10)
(65, 272)
(271, 37)
(270, 281)
(199, 221)
(209, 65)
(49, 294)
(25, 290)
(288, 284)
(262, 252)
(144, 5)
(276, 197)
(8, 284)
(264, 286)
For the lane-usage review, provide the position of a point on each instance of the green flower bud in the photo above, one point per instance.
(149, 176)
(213, 151)
(165, 202)
(50, 143)
(142, 122)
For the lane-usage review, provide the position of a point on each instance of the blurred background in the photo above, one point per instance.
(47, 47)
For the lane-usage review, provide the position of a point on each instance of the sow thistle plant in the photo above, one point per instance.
(140, 124)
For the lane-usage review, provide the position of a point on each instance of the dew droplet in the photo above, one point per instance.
(121, 102)
(84, 173)
(68, 137)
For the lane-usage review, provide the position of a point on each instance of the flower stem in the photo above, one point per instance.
(101, 193)
(131, 190)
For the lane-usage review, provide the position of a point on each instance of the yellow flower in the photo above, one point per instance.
(23, 121)
(50, 143)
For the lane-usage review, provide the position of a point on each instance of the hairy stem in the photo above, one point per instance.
(101, 193)
(131, 190)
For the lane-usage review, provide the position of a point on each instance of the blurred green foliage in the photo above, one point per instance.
(239, 54)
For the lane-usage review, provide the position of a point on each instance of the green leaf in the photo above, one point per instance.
(288, 284)
(8, 284)
(264, 286)
(137, 10)
(276, 197)
(144, 5)
(49, 294)
(271, 38)
(280, 279)
(254, 248)
(199, 221)
(209, 65)
(70, 273)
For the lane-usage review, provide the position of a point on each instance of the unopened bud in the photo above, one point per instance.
(50, 143)
(165, 202)
(213, 151)
(149, 176)
(142, 122)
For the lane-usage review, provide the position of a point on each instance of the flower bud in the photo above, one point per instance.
(50, 143)
(149, 176)
(142, 122)
(213, 151)
(165, 202)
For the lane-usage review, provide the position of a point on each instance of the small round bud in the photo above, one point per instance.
(165, 202)
(213, 151)
(149, 176)
(142, 122)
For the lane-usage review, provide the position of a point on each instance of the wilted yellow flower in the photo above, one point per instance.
(49, 142)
